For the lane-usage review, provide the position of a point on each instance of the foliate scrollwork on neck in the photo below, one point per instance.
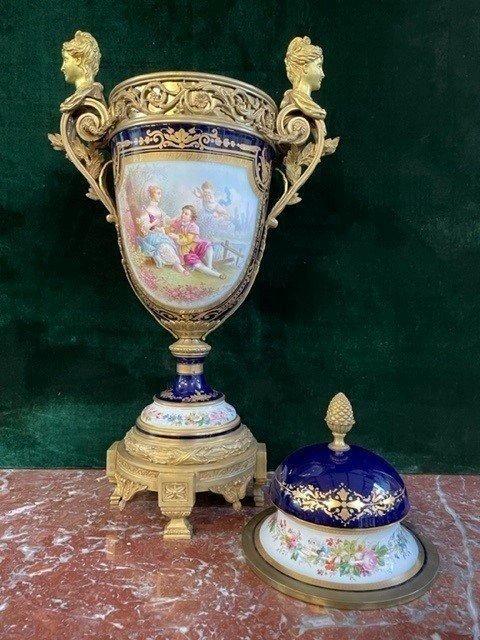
(85, 117)
(300, 125)
(210, 98)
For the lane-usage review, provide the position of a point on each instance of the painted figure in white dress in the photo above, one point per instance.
(153, 239)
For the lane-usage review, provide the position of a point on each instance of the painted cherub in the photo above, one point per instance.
(212, 203)
(81, 60)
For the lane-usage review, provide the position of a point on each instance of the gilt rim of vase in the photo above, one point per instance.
(174, 76)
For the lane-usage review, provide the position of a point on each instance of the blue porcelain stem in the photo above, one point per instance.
(190, 383)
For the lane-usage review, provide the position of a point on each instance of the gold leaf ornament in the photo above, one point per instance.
(80, 150)
(293, 168)
(95, 161)
(56, 141)
(89, 155)
(91, 194)
(295, 199)
(330, 146)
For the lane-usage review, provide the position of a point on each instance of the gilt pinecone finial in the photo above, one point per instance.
(340, 420)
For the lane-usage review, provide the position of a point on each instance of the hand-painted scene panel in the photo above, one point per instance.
(188, 228)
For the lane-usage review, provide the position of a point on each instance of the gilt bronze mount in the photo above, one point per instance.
(191, 156)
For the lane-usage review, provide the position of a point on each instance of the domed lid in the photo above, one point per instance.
(339, 485)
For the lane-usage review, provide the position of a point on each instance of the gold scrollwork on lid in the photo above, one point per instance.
(343, 504)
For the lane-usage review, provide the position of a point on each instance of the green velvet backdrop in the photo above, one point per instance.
(371, 285)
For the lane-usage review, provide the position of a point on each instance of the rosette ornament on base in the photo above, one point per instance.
(192, 157)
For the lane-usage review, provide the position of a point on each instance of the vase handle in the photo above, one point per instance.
(85, 119)
(300, 131)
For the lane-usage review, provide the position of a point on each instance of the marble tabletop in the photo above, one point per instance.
(72, 569)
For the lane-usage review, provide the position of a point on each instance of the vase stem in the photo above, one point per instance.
(190, 384)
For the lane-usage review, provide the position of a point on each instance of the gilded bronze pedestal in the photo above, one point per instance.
(225, 467)
(179, 449)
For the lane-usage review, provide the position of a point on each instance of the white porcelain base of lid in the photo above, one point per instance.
(328, 596)
(355, 560)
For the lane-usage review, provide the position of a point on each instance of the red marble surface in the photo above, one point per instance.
(72, 569)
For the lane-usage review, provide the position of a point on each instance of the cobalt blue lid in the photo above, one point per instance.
(337, 485)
